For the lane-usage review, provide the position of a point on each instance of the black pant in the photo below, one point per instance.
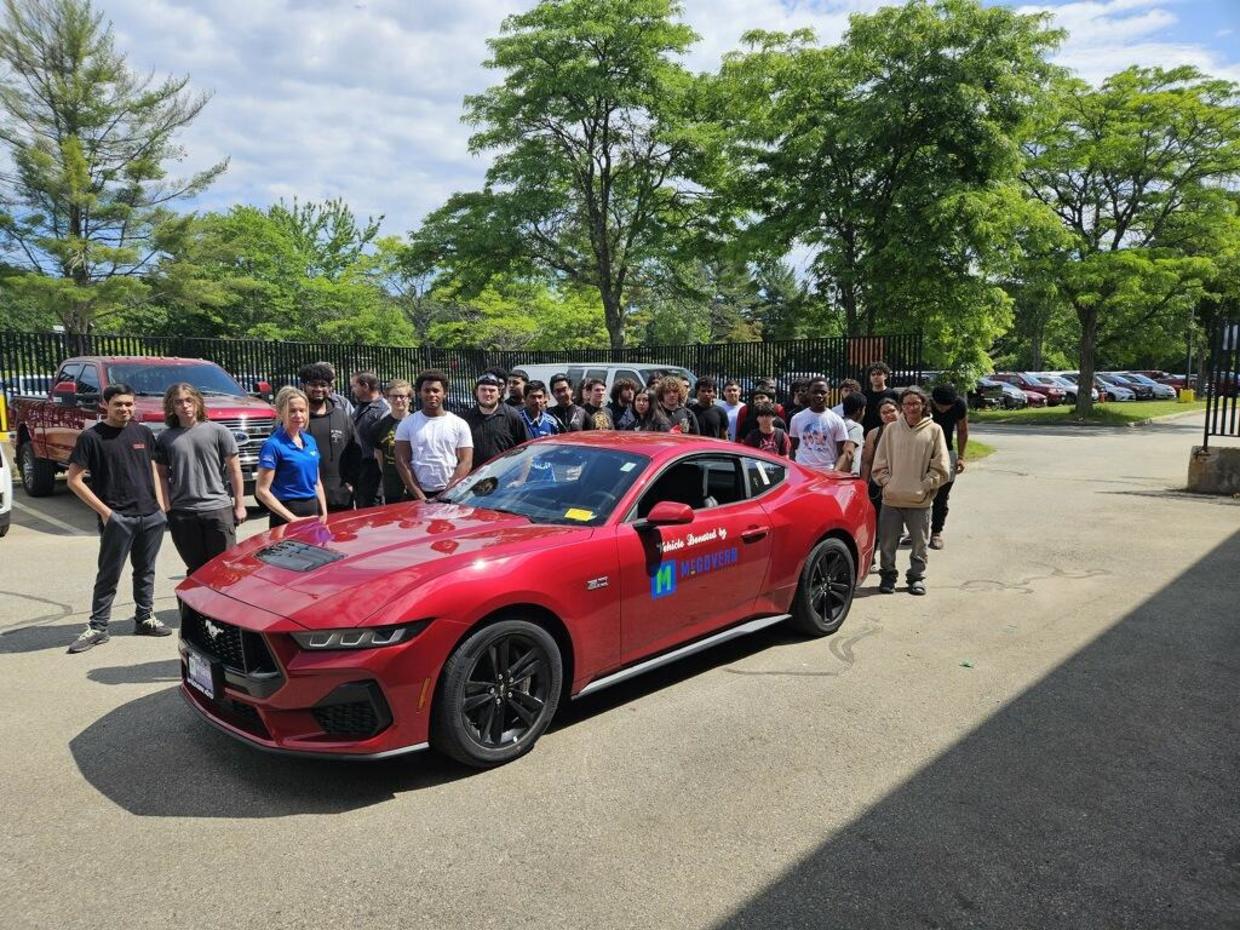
(298, 507)
(202, 535)
(394, 490)
(369, 481)
(137, 538)
(938, 510)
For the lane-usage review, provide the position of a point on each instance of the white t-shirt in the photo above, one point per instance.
(819, 436)
(435, 441)
(856, 432)
(732, 411)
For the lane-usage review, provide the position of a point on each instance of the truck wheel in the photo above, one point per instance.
(38, 475)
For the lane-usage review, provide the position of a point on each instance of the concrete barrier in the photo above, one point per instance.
(1214, 471)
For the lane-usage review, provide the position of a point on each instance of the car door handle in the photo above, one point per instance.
(753, 534)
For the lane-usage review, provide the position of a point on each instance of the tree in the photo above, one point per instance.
(895, 156)
(1137, 173)
(88, 140)
(596, 153)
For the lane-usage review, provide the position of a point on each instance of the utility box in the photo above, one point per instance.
(1214, 470)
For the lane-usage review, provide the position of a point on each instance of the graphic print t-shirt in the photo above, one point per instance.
(819, 435)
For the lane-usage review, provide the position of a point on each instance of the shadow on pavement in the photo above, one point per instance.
(1104, 796)
(36, 636)
(155, 758)
(147, 673)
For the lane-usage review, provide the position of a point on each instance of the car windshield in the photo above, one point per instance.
(153, 380)
(1140, 379)
(551, 482)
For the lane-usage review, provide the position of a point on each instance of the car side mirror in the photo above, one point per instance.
(64, 392)
(262, 388)
(666, 513)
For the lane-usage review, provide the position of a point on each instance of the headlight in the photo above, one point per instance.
(363, 638)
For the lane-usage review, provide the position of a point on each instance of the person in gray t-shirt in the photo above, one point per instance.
(198, 465)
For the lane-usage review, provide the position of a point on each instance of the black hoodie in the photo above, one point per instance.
(340, 456)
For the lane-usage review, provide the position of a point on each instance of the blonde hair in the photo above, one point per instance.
(183, 387)
(285, 396)
(398, 384)
(669, 384)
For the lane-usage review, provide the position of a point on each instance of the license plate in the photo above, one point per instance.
(198, 673)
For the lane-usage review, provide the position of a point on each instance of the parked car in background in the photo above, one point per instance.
(1106, 390)
(1027, 381)
(988, 394)
(1139, 391)
(1179, 382)
(1161, 391)
(1012, 397)
(46, 428)
(1069, 387)
(608, 372)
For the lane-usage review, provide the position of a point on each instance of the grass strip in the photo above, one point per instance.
(1112, 414)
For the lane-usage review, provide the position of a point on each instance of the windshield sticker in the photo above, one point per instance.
(576, 513)
(628, 466)
(717, 534)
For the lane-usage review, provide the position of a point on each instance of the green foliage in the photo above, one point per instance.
(596, 149)
(89, 139)
(1137, 172)
(895, 156)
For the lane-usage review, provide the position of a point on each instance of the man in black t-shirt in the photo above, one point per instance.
(570, 416)
(876, 393)
(126, 494)
(712, 419)
(950, 411)
(494, 426)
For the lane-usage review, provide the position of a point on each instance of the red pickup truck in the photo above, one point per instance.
(45, 429)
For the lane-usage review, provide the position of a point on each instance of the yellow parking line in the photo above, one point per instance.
(59, 524)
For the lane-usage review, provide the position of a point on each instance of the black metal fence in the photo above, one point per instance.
(1222, 382)
(27, 357)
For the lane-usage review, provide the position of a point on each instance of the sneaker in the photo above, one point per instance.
(887, 586)
(917, 587)
(89, 638)
(150, 627)
(936, 541)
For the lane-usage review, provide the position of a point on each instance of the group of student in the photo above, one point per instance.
(329, 454)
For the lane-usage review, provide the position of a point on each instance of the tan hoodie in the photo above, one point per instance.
(910, 463)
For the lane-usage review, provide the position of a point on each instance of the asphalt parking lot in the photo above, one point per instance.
(1050, 739)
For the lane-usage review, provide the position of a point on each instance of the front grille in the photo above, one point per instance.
(245, 716)
(255, 430)
(357, 709)
(238, 649)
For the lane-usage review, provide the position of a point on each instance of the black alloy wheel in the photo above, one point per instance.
(825, 593)
(498, 693)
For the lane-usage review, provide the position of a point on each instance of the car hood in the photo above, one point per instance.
(377, 555)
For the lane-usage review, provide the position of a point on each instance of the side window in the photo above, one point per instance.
(69, 373)
(574, 376)
(622, 373)
(723, 481)
(763, 476)
(600, 373)
(701, 483)
(88, 380)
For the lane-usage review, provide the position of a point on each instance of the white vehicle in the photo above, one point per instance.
(1114, 392)
(6, 486)
(609, 372)
(1069, 387)
(1161, 391)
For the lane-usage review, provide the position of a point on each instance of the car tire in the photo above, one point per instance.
(497, 694)
(38, 475)
(828, 580)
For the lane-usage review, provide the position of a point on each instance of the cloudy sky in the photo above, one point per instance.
(361, 99)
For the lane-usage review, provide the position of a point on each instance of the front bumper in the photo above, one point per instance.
(270, 693)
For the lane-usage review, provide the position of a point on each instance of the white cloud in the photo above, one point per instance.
(362, 98)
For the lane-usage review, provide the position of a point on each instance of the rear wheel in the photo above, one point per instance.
(826, 589)
(497, 694)
(38, 475)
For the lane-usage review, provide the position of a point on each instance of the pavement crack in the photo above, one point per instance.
(1024, 586)
(840, 647)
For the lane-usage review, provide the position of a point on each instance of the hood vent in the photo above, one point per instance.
(295, 556)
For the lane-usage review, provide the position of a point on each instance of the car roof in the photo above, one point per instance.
(147, 359)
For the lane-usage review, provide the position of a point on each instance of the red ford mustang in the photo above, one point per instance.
(566, 565)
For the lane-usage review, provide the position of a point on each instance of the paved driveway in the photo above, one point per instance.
(1050, 739)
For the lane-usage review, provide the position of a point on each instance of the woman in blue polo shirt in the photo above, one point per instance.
(288, 482)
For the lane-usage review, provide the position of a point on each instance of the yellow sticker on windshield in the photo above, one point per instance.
(576, 513)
